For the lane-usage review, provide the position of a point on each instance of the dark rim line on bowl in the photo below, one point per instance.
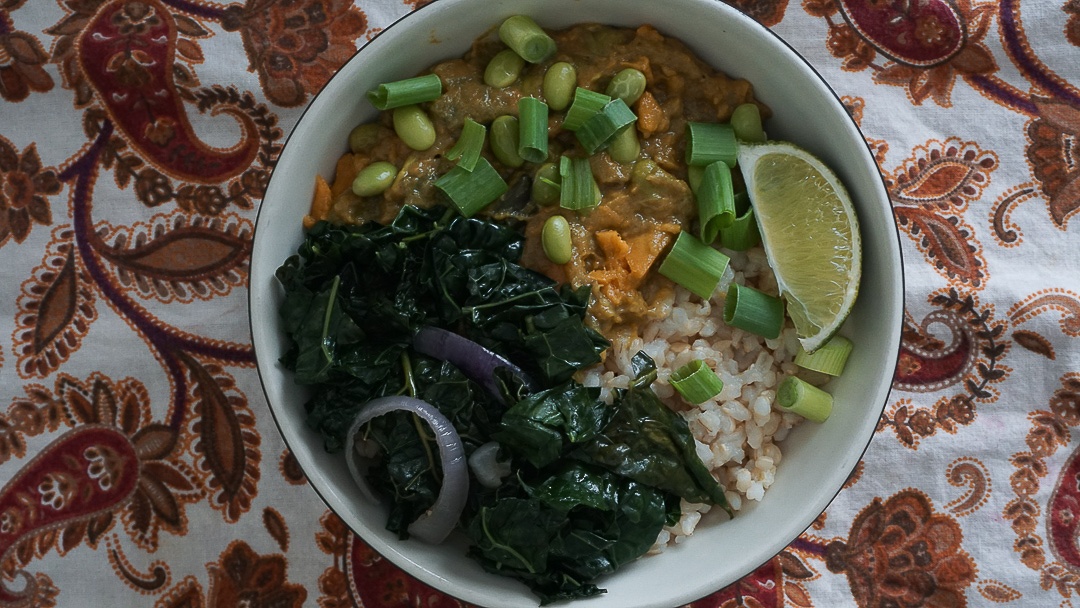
(741, 15)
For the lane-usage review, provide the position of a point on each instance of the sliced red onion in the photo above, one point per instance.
(435, 525)
(475, 361)
(485, 464)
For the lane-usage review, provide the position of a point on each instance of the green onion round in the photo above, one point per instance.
(532, 130)
(586, 104)
(696, 382)
(469, 146)
(796, 395)
(754, 311)
(715, 201)
(694, 265)
(830, 358)
(708, 142)
(390, 95)
(527, 38)
(471, 191)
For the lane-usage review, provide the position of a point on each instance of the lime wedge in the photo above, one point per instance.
(810, 233)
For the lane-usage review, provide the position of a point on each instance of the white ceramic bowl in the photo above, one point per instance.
(817, 458)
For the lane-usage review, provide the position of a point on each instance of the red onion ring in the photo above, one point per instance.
(475, 361)
(435, 525)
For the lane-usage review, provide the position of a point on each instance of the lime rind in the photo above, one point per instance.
(819, 285)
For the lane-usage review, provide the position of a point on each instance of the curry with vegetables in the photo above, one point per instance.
(646, 200)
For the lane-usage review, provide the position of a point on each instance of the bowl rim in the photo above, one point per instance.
(433, 581)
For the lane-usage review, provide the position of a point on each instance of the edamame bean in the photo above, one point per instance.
(374, 179)
(625, 147)
(746, 122)
(560, 80)
(545, 188)
(363, 137)
(503, 69)
(414, 127)
(504, 137)
(627, 85)
(555, 237)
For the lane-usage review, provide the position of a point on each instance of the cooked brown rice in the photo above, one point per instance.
(738, 430)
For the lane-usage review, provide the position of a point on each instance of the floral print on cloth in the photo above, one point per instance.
(139, 461)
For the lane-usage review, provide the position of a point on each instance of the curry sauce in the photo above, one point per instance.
(644, 204)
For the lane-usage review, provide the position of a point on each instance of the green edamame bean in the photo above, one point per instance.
(503, 69)
(627, 85)
(555, 238)
(374, 179)
(560, 80)
(625, 147)
(545, 189)
(363, 137)
(746, 122)
(504, 137)
(414, 127)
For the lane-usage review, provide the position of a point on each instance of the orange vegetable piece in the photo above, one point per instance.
(651, 117)
(613, 245)
(320, 202)
(644, 249)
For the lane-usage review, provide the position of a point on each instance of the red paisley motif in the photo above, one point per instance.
(930, 192)
(915, 33)
(928, 364)
(82, 475)
(901, 553)
(1054, 158)
(296, 45)
(127, 53)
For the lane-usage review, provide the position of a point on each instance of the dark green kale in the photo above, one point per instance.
(592, 484)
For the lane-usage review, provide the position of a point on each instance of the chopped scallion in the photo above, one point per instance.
(708, 142)
(527, 38)
(578, 189)
(754, 311)
(694, 265)
(471, 191)
(600, 128)
(743, 233)
(830, 358)
(715, 201)
(799, 396)
(533, 129)
(696, 382)
(585, 105)
(469, 145)
(406, 92)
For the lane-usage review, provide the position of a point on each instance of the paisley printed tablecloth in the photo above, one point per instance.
(140, 465)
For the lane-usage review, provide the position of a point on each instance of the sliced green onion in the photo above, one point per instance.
(715, 201)
(746, 123)
(799, 396)
(471, 191)
(600, 128)
(754, 311)
(696, 382)
(406, 92)
(527, 38)
(694, 265)
(578, 189)
(533, 129)
(830, 358)
(708, 142)
(585, 105)
(468, 147)
(693, 176)
(743, 233)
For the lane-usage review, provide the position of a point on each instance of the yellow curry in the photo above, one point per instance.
(645, 203)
